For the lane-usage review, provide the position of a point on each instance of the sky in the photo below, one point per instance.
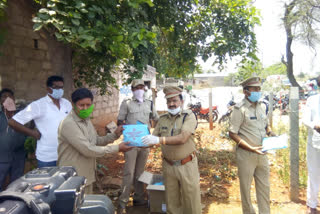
(271, 40)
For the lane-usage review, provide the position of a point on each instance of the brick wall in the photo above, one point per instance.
(106, 109)
(28, 58)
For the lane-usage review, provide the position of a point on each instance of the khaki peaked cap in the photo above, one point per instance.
(137, 82)
(252, 81)
(171, 91)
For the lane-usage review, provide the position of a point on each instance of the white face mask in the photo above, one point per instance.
(138, 94)
(174, 111)
(56, 93)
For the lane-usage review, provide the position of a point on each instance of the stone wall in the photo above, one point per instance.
(28, 58)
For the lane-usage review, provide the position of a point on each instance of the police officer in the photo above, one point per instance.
(175, 132)
(136, 109)
(248, 126)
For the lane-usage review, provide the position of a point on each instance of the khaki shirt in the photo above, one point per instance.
(169, 125)
(249, 122)
(131, 111)
(79, 145)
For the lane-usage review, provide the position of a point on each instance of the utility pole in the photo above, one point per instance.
(294, 144)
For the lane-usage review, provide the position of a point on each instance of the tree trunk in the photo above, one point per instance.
(289, 54)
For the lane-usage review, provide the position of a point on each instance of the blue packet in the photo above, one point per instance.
(134, 133)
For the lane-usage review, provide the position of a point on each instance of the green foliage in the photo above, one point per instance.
(283, 155)
(30, 145)
(248, 69)
(203, 28)
(275, 69)
(103, 34)
(111, 35)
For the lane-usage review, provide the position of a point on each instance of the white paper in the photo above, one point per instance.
(112, 126)
(278, 142)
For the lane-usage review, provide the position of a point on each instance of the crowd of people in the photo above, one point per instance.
(66, 137)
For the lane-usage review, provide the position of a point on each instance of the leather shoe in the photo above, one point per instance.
(140, 202)
(311, 210)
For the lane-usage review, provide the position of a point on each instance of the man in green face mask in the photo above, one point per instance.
(79, 144)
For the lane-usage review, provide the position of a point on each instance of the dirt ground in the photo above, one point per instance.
(219, 183)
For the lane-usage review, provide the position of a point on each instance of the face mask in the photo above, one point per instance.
(138, 94)
(85, 113)
(174, 111)
(254, 96)
(56, 93)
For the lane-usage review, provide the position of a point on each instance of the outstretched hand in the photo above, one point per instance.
(150, 140)
(119, 130)
(123, 147)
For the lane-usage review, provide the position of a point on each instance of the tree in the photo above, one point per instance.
(275, 69)
(106, 35)
(300, 20)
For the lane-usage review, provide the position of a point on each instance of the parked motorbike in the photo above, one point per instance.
(203, 113)
(225, 116)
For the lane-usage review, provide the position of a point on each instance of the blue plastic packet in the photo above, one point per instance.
(134, 133)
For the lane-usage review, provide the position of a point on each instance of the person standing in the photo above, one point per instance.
(12, 152)
(248, 126)
(311, 119)
(79, 144)
(175, 132)
(47, 113)
(136, 109)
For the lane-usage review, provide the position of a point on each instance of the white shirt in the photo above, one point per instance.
(311, 117)
(47, 118)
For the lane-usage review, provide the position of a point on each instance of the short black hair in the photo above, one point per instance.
(81, 93)
(6, 90)
(52, 79)
(180, 86)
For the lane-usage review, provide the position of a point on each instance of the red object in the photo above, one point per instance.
(206, 110)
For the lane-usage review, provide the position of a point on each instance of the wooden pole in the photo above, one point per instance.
(210, 110)
(294, 144)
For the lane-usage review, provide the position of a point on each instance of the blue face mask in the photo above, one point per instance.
(56, 93)
(254, 96)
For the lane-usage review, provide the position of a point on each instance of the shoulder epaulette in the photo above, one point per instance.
(165, 114)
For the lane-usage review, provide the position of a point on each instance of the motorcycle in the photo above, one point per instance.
(225, 117)
(203, 113)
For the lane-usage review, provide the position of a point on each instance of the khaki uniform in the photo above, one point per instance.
(182, 183)
(79, 145)
(135, 160)
(250, 124)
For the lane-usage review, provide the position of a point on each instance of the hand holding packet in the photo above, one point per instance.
(277, 142)
(134, 133)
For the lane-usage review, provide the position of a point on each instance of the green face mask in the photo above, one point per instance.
(85, 113)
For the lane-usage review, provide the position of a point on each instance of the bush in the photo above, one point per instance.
(283, 155)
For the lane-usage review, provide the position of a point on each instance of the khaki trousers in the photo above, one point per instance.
(135, 161)
(252, 165)
(182, 184)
